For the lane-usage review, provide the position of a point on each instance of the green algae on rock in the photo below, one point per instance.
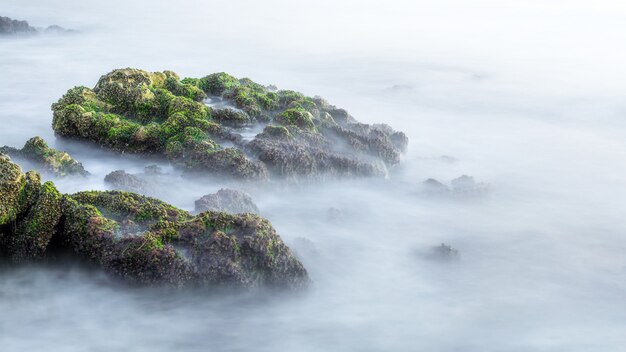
(47, 159)
(199, 125)
(139, 239)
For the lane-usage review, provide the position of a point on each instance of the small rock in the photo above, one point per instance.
(227, 200)
(121, 180)
(434, 187)
(335, 215)
(444, 252)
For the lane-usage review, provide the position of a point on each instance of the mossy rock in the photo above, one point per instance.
(49, 160)
(139, 239)
(297, 117)
(136, 111)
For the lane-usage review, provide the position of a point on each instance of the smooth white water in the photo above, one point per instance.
(527, 97)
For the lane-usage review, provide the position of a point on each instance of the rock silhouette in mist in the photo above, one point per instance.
(10, 26)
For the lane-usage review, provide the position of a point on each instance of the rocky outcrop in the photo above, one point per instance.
(10, 26)
(140, 239)
(46, 159)
(227, 200)
(135, 111)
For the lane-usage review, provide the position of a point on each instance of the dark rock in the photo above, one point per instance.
(227, 200)
(141, 240)
(153, 170)
(47, 159)
(444, 252)
(121, 180)
(10, 26)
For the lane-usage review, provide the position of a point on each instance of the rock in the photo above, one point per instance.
(135, 111)
(227, 200)
(231, 117)
(434, 187)
(153, 170)
(121, 180)
(141, 240)
(462, 187)
(444, 252)
(466, 186)
(335, 215)
(9, 26)
(47, 159)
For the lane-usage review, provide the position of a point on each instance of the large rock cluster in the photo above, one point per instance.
(139, 239)
(135, 111)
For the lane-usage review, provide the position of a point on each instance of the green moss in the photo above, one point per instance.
(297, 117)
(217, 83)
(185, 90)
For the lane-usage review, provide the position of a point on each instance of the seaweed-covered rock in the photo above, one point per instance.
(10, 26)
(47, 159)
(140, 239)
(227, 200)
(135, 111)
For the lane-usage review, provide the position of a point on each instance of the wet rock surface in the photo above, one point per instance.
(197, 124)
(46, 159)
(140, 239)
(227, 200)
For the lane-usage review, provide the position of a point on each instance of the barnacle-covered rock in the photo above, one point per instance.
(47, 159)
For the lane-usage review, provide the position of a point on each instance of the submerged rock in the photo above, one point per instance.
(227, 200)
(140, 239)
(443, 252)
(135, 111)
(434, 187)
(461, 187)
(47, 159)
(466, 186)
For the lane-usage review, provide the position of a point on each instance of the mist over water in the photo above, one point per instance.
(528, 98)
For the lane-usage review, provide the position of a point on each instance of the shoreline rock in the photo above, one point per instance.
(139, 239)
(135, 111)
(49, 160)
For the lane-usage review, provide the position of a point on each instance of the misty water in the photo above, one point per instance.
(527, 98)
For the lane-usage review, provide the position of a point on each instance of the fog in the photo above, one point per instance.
(525, 97)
